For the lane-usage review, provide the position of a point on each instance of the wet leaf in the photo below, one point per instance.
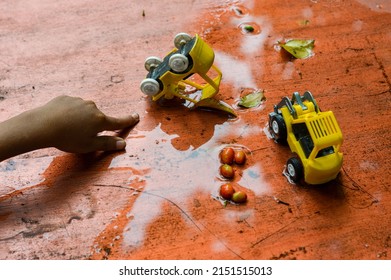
(215, 104)
(299, 48)
(252, 100)
(248, 28)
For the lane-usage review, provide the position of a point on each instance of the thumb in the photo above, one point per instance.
(107, 143)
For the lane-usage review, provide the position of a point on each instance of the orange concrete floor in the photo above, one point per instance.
(156, 200)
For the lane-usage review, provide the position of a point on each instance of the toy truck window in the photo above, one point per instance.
(325, 152)
(302, 135)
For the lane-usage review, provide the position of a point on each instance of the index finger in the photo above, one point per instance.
(113, 123)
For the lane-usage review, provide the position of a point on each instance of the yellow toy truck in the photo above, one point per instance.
(168, 77)
(313, 136)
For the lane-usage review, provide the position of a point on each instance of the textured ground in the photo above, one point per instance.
(155, 200)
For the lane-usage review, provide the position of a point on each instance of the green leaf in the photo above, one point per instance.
(248, 28)
(252, 100)
(215, 104)
(298, 48)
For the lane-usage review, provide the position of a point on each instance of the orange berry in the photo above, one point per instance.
(227, 171)
(239, 197)
(226, 191)
(227, 155)
(240, 157)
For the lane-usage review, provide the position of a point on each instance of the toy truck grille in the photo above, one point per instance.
(324, 126)
(324, 130)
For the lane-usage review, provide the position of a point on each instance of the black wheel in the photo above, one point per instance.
(294, 169)
(278, 128)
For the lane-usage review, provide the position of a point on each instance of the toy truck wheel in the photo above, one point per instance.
(178, 63)
(181, 39)
(294, 169)
(152, 62)
(278, 128)
(150, 87)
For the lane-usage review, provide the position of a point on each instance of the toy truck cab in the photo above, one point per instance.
(313, 136)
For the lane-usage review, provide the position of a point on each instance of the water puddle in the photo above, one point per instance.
(287, 176)
(249, 28)
(170, 175)
(241, 62)
(288, 71)
(266, 131)
(237, 72)
(254, 45)
(377, 5)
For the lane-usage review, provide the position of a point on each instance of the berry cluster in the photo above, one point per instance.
(228, 157)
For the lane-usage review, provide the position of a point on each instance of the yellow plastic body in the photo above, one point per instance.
(174, 83)
(325, 133)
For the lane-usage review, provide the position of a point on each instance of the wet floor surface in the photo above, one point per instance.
(159, 198)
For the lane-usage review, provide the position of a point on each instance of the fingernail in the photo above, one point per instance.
(120, 145)
(135, 116)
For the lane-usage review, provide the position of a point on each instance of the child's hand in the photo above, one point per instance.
(72, 124)
(68, 123)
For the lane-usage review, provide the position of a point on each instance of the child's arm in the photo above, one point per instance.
(70, 124)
